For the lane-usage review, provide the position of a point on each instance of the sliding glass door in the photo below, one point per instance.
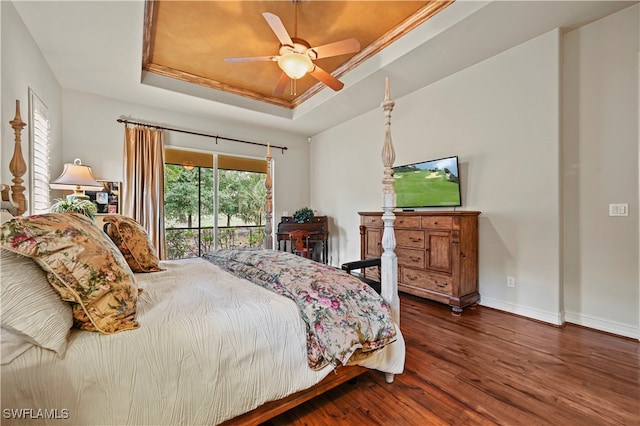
(212, 201)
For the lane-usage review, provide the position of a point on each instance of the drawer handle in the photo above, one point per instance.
(412, 277)
(435, 222)
(441, 285)
(415, 239)
(414, 259)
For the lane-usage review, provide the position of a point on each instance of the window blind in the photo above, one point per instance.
(40, 136)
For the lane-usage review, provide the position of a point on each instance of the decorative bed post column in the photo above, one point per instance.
(268, 228)
(389, 261)
(17, 166)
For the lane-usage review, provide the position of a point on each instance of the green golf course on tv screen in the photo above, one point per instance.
(433, 183)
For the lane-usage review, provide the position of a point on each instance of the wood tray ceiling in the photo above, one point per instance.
(189, 40)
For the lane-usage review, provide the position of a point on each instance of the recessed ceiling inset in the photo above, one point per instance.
(189, 40)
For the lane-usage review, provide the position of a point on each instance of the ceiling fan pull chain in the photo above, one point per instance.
(295, 20)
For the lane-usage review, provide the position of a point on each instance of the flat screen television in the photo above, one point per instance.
(433, 183)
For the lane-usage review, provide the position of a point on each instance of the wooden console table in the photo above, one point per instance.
(318, 227)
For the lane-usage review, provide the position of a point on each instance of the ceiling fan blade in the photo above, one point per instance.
(250, 59)
(326, 78)
(281, 84)
(278, 28)
(350, 45)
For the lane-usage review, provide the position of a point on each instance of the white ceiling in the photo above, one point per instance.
(96, 47)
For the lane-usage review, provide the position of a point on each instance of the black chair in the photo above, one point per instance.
(361, 264)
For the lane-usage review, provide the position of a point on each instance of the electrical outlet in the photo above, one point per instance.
(511, 282)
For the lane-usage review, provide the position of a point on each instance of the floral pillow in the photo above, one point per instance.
(83, 266)
(132, 240)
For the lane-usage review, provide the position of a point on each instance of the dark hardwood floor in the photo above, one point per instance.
(489, 367)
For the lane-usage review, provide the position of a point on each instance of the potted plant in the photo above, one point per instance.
(303, 215)
(76, 205)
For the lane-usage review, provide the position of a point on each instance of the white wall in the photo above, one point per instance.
(503, 118)
(92, 134)
(24, 67)
(601, 288)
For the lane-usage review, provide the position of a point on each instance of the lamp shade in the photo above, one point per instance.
(295, 65)
(76, 177)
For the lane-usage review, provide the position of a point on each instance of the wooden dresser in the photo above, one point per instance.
(437, 253)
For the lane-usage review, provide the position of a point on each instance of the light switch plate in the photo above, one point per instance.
(619, 209)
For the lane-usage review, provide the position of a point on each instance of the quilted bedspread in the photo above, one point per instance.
(210, 346)
(343, 315)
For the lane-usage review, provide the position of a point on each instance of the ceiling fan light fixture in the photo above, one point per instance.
(295, 65)
(296, 56)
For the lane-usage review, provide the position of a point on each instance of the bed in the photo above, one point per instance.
(237, 336)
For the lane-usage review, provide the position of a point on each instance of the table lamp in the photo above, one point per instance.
(76, 177)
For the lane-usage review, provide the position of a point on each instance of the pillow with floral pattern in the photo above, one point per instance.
(82, 265)
(134, 244)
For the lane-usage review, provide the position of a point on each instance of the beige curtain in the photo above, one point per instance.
(143, 192)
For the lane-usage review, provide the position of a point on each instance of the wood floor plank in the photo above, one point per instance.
(488, 367)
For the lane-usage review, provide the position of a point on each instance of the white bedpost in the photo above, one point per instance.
(389, 261)
(268, 228)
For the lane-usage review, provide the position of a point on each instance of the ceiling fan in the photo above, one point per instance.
(295, 57)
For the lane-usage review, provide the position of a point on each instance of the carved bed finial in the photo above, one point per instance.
(17, 165)
(268, 238)
(388, 153)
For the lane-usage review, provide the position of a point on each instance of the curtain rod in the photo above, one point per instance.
(216, 137)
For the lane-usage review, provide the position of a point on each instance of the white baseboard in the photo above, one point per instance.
(557, 318)
(603, 325)
(526, 311)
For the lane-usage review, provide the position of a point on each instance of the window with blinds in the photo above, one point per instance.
(39, 144)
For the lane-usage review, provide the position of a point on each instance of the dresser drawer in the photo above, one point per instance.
(410, 257)
(372, 272)
(407, 222)
(373, 221)
(437, 222)
(412, 239)
(426, 280)
(437, 253)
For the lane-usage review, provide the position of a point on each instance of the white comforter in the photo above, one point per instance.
(210, 346)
